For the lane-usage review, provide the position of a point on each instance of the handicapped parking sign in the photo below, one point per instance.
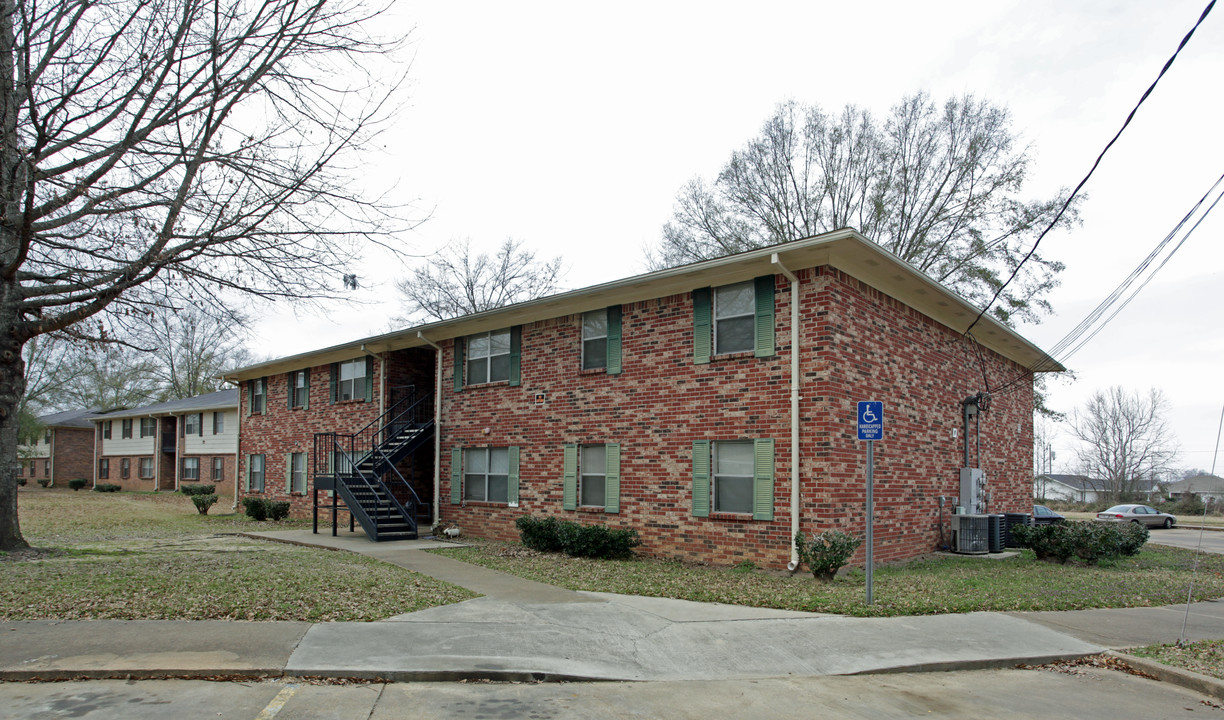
(870, 420)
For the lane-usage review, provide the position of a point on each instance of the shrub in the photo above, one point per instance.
(1087, 542)
(21, 481)
(197, 489)
(204, 502)
(44, 482)
(77, 483)
(255, 508)
(278, 510)
(575, 539)
(107, 487)
(827, 552)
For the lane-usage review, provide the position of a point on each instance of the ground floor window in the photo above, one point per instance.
(104, 468)
(218, 470)
(191, 469)
(297, 473)
(592, 479)
(146, 467)
(486, 473)
(46, 468)
(733, 477)
(125, 468)
(255, 473)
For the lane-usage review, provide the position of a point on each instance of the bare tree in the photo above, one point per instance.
(153, 153)
(1125, 441)
(111, 376)
(938, 185)
(192, 348)
(457, 283)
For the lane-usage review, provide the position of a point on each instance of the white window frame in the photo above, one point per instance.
(357, 374)
(256, 478)
(192, 423)
(719, 318)
(218, 468)
(259, 396)
(218, 422)
(125, 468)
(297, 476)
(125, 429)
(487, 357)
(146, 468)
(716, 476)
(585, 472)
(481, 480)
(151, 424)
(588, 336)
(188, 474)
(103, 468)
(297, 388)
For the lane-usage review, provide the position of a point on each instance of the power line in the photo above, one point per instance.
(1067, 203)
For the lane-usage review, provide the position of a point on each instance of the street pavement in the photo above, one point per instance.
(1211, 541)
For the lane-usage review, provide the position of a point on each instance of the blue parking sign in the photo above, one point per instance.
(870, 420)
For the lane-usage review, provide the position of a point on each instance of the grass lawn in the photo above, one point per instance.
(1205, 657)
(152, 556)
(1158, 576)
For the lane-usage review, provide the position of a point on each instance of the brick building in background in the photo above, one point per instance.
(663, 403)
(63, 451)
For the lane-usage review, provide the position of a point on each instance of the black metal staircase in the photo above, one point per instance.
(361, 468)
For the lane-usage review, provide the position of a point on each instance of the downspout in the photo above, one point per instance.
(437, 489)
(97, 441)
(237, 448)
(793, 565)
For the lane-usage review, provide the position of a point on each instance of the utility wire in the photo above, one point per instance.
(1067, 203)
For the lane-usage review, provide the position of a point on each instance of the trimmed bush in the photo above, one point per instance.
(827, 552)
(255, 508)
(575, 539)
(204, 502)
(107, 487)
(21, 481)
(44, 482)
(197, 489)
(77, 483)
(1086, 542)
(278, 510)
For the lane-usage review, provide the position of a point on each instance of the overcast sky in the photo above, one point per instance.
(571, 126)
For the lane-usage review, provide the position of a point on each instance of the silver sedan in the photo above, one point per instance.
(1138, 514)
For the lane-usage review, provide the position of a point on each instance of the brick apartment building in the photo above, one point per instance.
(62, 452)
(663, 403)
(160, 446)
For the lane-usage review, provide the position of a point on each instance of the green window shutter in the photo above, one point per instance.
(612, 478)
(263, 381)
(306, 390)
(369, 389)
(335, 381)
(201, 424)
(512, 476)
(459, 343)
(289, 378)
(516, 354)
(763, 480)
(569, 483)
(248, 473)
(701, 478)
(703, 319)
(288, 473)
(614, 340)
(764, 345)
(456, 487)
(250, 397)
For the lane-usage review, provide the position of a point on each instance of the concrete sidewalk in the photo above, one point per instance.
(526, 630)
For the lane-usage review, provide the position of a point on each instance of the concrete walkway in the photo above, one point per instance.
(526, 630)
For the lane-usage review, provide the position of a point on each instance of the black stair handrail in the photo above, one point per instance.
(342, 458)
(400, 482)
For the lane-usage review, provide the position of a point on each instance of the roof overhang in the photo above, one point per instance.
(845, 250)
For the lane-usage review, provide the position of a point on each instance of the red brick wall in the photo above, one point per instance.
(73, 456)
(857, 344)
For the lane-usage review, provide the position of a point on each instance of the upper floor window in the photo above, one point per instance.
(218, 422)
(595, 340)
(192, 424)
(734, 313)
(488, 357)
(148, 427)
(106, 430)
(299, 389)
(47, 436)
(351, 383)
(126, 430)
(259, 396)
(734, 319)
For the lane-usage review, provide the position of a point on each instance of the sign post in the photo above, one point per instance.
(870, 428)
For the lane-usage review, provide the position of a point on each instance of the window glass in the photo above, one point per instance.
(125, 468)
(106, 429)
(488, 357)
(191, 424)
(127, 428)
(352, 380)
(148, 427)
(258, 396)
(592, 481)
(297, 473)
(595, 340)
(218, 423)
(733, 477)
(734, 318)
(191, 468)
(104, 468)
(257, 473)
(146, 467)
(218, 468)
(486, 474)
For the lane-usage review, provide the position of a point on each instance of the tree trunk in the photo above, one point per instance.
(12, 387)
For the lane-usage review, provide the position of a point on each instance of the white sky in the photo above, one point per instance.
(572, 126)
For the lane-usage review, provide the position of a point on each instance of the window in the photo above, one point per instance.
(255, 473)
(148, 427)
(193, 424)
(218, 422)
(485, 474)
(104, 468)
(592, 466)
(191, 468)
(595, 340)
(146, 467)
(488, 357)
(734, 476)
(734, 318)
(258, 396)
(21, 469)
(46, 468)
(47, 436)
(125, 468)
(218, 471)
(351, 380)
(299, 389)
(127, 428)
(297, 473)
(106, 430)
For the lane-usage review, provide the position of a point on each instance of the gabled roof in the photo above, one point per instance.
(220, 400)
(69, 418)
(1198, 483)
(1086, 484)
(845, 250)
